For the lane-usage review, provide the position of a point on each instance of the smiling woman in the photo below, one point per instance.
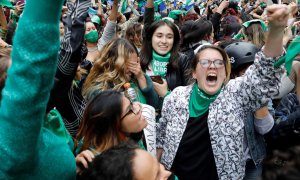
(160, 53)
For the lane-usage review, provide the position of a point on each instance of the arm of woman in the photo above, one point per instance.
(110, 28)
(263, 121)
(149, 93)
(69, 55)
(28, 86)
(148, 16)
(261, 80)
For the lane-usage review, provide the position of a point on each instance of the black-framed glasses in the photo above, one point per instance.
(205, 63)
(132, 110)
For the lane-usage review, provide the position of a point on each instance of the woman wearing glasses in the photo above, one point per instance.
(201, 131)
(108, 120)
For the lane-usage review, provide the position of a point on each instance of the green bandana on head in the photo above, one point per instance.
(174, 14)
(92, 36)
(200, 101)
(292, 51)
(159, 63)
(262, 23)
(96, 19)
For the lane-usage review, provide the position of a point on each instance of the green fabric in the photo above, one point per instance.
(200, 101)
(7, 4)
(140, 97)
(54, 122)
(292, 51)
(157, 16)
(27, 150)
(174, 14)
(156, 4)
(238, 36)
(141, 145)
(92, 36)
(96, 19)
(262, 23)
(124, 6)
(14, 18)
(159, 63)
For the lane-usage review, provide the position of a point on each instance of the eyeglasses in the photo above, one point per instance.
(205, 63)
(131, 110)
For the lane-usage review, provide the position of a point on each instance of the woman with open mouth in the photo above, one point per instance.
(201, 129)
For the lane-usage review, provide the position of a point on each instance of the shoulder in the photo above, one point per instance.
(181, 91)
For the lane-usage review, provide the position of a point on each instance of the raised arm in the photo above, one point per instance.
(261, 80)
(277, 17)
(68, 100)
(148, 16)
(28, 86)
(109, 31)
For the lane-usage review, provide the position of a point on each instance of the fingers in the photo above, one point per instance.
(277, 13)
(84, 158)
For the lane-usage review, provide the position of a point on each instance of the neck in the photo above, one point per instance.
(90, 45)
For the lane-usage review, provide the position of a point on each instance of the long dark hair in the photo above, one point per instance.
(146, 51)
(196, 31)
(100, 127)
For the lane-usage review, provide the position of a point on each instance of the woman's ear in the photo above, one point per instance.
(194, 75)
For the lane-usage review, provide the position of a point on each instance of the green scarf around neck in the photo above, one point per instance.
(200, 101)
(159, 63)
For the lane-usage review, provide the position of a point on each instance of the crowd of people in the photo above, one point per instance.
(150, 89)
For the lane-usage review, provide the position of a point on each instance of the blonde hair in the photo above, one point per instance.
(255, 34)
(109, 70)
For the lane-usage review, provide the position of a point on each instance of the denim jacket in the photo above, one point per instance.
(255, 141)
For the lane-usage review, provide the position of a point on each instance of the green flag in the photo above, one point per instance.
(123, 6)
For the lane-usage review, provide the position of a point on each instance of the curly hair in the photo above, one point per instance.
(109, 70)
(134, 34)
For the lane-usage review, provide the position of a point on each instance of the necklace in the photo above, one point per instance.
(93, 49)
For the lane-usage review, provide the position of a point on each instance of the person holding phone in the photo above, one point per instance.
(159, 54)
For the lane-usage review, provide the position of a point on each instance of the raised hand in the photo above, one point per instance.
(278, 15)
(19, 8)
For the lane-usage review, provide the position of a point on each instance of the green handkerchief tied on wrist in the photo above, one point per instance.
(292, 51)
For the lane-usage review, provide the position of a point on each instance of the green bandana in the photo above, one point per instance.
(174, 14)
(262, 23)
(92, 36)
(200, 101)
(159, 63)
(96, 19)
(292, 51)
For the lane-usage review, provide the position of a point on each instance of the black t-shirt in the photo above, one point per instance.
(194, 159)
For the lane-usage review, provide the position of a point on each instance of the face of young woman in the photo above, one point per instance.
(61, 29)
(132, 61)
(89, 27)
(132, 120)
(162, 40)
(146, 167)
(211, 78)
